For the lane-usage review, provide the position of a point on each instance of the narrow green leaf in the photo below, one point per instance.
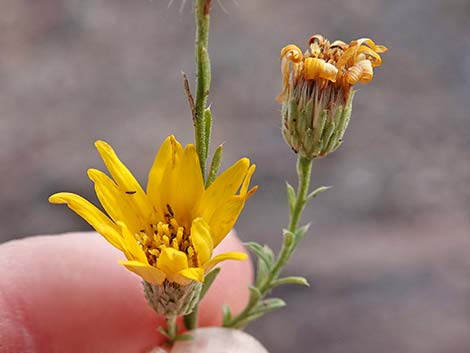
(301, 232)
(163, 332)
(291, 197)
(184, 337)
(208, 128)
(262, 271)
(243, 323)
(255, 294)
(268, 305)
(227, 314)
(262, 251)
(317, 192)
(215, 165)
(208, 281)
(291, 280)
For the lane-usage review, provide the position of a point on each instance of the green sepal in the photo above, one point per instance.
(318, 129)
(344, 122)
(308, 146)
(328, 134)
(332, 142)
(291, 280)
(317, 192)
(308, 111)
(290, 126)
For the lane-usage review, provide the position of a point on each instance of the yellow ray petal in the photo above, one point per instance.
(165, 171)
(148, 273)
(166, 154)
(187, 186)
(224, 218)
(132, 250)
(124, 178)
(172, 261)
(246, 181)
(193, 273)
(223, 257)
(97, 219)
(201, 239)
(115, 202)
(223, 188)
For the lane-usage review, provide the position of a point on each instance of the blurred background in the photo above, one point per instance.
(388, 253)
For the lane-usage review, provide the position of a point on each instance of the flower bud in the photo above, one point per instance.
(317, 91)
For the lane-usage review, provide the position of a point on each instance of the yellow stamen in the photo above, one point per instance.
(166, 240)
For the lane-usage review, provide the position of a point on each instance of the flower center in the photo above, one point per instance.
(165, 234)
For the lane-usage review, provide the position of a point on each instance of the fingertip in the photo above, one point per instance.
(67, 293)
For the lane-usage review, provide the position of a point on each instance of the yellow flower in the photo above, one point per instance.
(169, 231)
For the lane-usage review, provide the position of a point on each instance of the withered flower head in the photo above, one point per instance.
(317, 91)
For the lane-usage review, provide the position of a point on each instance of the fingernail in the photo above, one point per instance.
(158, 350)
(219, 340)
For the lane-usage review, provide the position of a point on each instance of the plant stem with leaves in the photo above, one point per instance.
(269, 267)
(202, 117)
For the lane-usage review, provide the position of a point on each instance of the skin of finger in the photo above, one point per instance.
(66, 293)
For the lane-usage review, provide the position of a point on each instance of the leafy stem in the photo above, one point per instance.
(202, 117)
(268, 269)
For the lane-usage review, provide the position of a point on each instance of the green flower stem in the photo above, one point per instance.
(191, 320)
(202, 126)
(202, 119)
(304, 170)
(171, 328)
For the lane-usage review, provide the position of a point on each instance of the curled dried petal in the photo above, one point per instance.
(362, 71)
(318, 68)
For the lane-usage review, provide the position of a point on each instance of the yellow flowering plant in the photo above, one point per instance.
(168, 230)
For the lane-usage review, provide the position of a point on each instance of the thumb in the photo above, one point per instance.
(216, 340)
